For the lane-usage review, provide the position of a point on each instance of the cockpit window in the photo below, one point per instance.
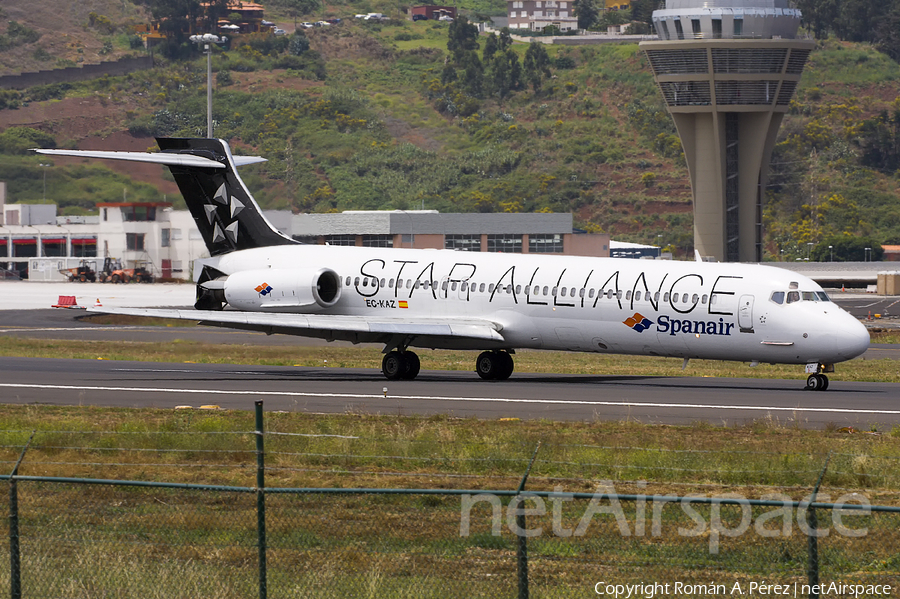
(809, 296)
(778, 297)
(823, 297)
(793, 296)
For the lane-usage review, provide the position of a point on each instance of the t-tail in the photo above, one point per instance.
(226, 214)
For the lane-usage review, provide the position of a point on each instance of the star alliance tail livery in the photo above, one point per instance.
(493, 302)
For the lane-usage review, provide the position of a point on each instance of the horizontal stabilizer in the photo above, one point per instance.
(157, 157)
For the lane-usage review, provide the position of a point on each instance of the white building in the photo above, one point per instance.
(38, 245)
(537, 14)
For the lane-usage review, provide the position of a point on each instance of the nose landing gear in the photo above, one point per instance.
(817, 381)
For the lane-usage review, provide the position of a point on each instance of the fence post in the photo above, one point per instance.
(261, 499)
(15, 561)
(522, 540)
(15, 573)
(812, 522)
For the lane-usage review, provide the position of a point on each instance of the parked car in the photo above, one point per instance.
(334, 21)
(445, 18)
(278, 31)
(374, 16)
(420, 18)
(307, 25)
(323, 24)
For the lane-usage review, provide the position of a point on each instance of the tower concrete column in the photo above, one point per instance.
(727, 71)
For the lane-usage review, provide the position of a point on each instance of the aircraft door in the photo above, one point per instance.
(745, 314)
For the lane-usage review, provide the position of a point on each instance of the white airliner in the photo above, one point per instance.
(496, 303)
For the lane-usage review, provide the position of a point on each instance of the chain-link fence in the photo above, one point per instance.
(89, 538)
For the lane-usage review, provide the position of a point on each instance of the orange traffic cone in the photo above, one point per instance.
(98, 304)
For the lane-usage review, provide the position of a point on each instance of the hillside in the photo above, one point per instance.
(364, 119)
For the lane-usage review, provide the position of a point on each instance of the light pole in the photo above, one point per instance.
(831, 248)
(809, 245)
(659, 243)
(867, 253)
(44, 196)
(206, 39)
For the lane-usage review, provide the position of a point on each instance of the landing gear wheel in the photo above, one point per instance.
(496, 366)
(393, 366)
(817, 382)
(412, 365)
(506, 366)
(812, 382)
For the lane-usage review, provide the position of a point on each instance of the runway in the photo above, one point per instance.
(666, 400)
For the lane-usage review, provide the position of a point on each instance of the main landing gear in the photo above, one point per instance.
(398, 365)
(817, 381)
(404, 365)
(494, 365)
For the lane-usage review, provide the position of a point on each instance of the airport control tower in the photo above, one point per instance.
(727, 70)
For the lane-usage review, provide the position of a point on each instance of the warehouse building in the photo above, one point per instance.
(36, 244)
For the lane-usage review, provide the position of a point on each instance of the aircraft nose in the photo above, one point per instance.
(852, 338)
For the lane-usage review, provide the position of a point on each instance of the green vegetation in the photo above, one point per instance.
(374, 115)
(76, 189)
(340, 545)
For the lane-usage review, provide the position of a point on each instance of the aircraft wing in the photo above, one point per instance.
(353, 328)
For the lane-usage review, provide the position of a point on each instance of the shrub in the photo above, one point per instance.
(565, 62)
(223, 78)
(19, 140)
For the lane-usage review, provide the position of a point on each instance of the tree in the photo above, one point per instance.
(537, 65)
(299, 43)
(859, 19)
(819, 15)
(587, 13)
(490, 47)
(887, 34)
(473, 75)
(642, 11)
(505, 40)
(177, 17)
(846, 248)
(880, 140)
(461, 38)
(448, 74)
(504, 74)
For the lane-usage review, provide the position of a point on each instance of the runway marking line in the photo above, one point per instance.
(445, 398)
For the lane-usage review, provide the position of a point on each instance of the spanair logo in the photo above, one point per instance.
(639, 322)
(264, 289)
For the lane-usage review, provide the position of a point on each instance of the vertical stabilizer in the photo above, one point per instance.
(226, 214)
